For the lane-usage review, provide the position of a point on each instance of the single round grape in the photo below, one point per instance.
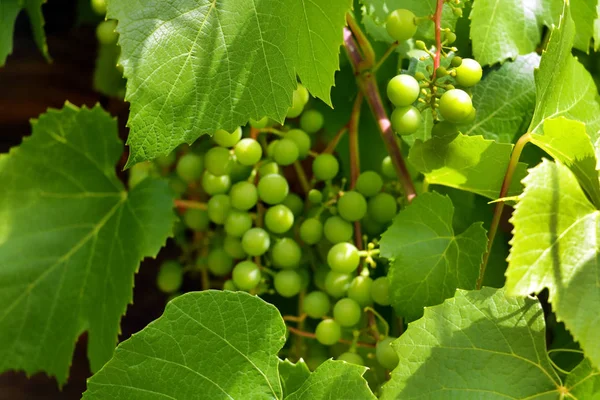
(271, 148)
(456, 61)
(347, 312)
(369, 183)
(316, 304)
(380, 291)
(406, 120)
(99, 7)
(387, 168)
(219, 262)
(382, 208)
(248, 151)
(189, 167)
(385, 353)
(170, 277)
(237, 223)
(469, 73)
(233, 247)
(360, 290)
(328, 332)
(196, 220)
(299, 100)
(213, 184)
(325, 167)
(302, 141)
(268, 168)
(286, 254)
(219, 207)
(285, 152)
(311, 121)
(337, 230)
(303, 94)
(319, 276)
(218, 161)
(256, 242)
(166, 161)
(403, 90)
(371, 227)
(138, 173)
(288, 283)
(246, 275)
(456, 106)
(352, 358)
(105, 32)
(311, 231)
(352, 206)
(243, 195)
(315, 196)
(337, 283)
(444, 130)
(229, 285)
(294, 203)
(471, 118)
(273, 189)
(343, 257)
(260, 124)
(240, 172)
(279, 219)
(401, 25)
(226, 139)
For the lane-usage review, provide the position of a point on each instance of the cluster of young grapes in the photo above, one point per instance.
(105, 31)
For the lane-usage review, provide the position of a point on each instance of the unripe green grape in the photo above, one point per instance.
(273, 188)
(138, 173)
(301, 139)
(214, 185)
(105, 32)
(299, 100)
(311, 121)
(226, 139)
(237, 223)
(248, 151)
(325, 167)
(320, 275)
(218, 161)
(285, 152)
(170, 277)
(99, 6)
(401, 25)
(383, 208)
(189, 167)
(260, 124)
(268, 168)
(352, 206)
(311, 231)
(444, 130)
(347, 312)
(233, 247)
(385, 353)
(360, 290)
(286, 254)
(380, 291)
(387, 168)
(450, 37)
(271, 148)
(219, 262)
(229, 285)
(246, 275)
(279, 219)
(406, 120)
(469, 73)
(337, 230)
(303, 93)
(352, 358)
(403, 90)
(294, 203)
(240, 172)
(457, 12)
(337, 283)
(316, 304)
(456, 61)
(419, 76)
(219, 207)
(328, 332)
(243, 196)
(315, 196)
(196, 220)
(166, 161)
(456, 106)
(288, 283)
(369, 183)
(343, 257)
(256, 242)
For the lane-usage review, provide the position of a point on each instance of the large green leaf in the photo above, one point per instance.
(469, 163)
(584, 382)
(71, 239)
(194, 66)
(505, 100)
(583, 13)
(9, 10)
(430, 261)
(292, 375)
(477, 345)
(556, 245)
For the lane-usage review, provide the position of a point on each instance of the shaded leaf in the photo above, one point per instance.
(292, 375)
(584, 382)
(9, 10)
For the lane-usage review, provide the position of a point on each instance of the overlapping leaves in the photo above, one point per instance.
(9, 10)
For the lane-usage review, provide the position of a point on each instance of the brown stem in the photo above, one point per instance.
(302, 177)
(336, 139)
(437, 19)
(368, 58)
(313, 336)
(190, 204)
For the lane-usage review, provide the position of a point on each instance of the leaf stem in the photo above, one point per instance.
(510, 171)
(313, 336)
(190, 204)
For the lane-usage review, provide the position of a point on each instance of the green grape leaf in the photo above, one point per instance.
(556, 246)
(9, 10)
(567, 142)
(505, 100)
(469, 163)
(430, 261)
(564, 86)
(584, 381)
(195, 66)
(108, 80)
(476, 345)
(583, 13)
(71, 240)
(292, 375)
(335, 380)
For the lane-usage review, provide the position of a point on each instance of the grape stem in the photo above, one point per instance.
(310, 335)
(385, 56)
(302, 177)
(368, 57)
(185, 204)
(437, 20)
(355, 160)
(510, 171)
(336, 139)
